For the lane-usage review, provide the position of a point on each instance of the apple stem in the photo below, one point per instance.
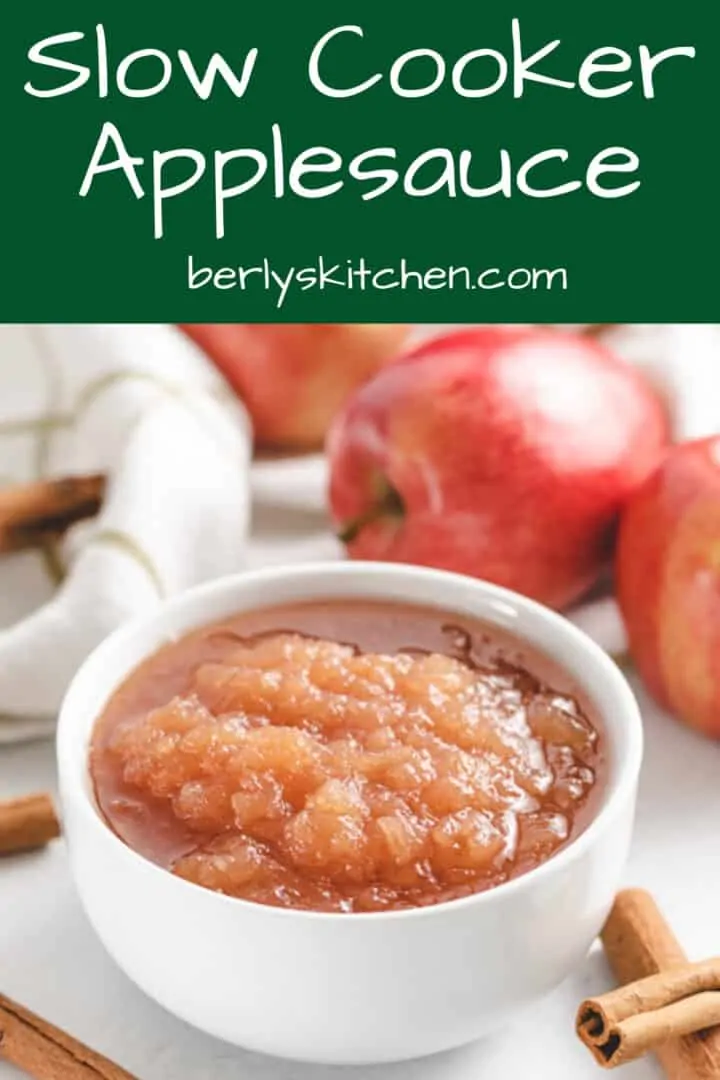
(594, 330)
(390, 504)
(351, 531)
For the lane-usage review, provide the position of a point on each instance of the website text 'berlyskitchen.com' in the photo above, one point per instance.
(359, 275)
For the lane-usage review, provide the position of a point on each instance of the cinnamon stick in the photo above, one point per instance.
(665, 1004)
(46, 1052)
(27, 823)
(33, 513)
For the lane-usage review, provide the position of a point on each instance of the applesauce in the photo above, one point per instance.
(347, 756)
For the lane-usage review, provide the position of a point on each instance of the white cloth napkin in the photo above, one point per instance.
(144, 406)
(141, 403)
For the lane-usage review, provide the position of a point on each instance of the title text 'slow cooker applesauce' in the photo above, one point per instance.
(339, 66)
(347, 756)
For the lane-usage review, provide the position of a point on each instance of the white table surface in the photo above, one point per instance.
(51, 961)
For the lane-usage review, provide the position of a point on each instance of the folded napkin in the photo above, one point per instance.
(144, 406)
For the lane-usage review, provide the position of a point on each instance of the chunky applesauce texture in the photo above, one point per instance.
(306, 773)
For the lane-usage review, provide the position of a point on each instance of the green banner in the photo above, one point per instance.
(342, 161)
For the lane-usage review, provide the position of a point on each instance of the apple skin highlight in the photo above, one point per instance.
(668, 582)
(292, 377)
(502, 453)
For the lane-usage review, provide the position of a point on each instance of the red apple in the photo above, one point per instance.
(668, 582)
(293, 378)
(498, 452)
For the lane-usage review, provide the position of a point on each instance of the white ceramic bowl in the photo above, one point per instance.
(348, 988)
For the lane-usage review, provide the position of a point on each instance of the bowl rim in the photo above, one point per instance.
(73, 758)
